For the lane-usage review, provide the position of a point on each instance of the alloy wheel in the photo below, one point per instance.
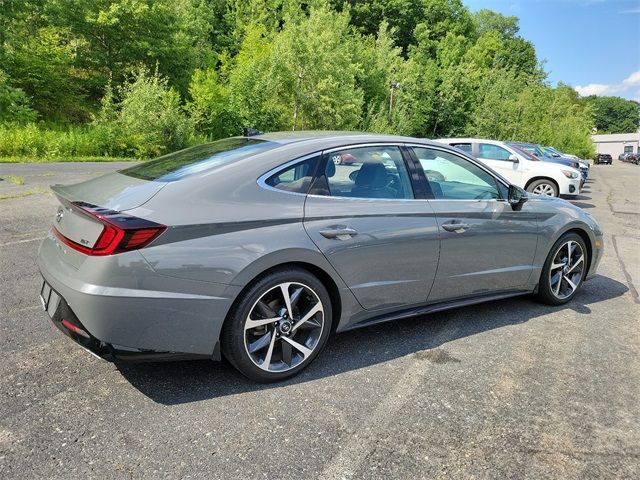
(566, 269)
(284, 327)
(544, 189)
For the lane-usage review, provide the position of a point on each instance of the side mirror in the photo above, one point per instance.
(513, 158)
(517, 197)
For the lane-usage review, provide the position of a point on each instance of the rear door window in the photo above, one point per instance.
(368, 172)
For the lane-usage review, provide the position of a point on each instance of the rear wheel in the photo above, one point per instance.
(279, 326)
(543, 187)
(563, 271)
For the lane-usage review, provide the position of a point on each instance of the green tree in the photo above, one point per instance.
(404, 16)
(210, 105)
(303, 77)
(615, 114)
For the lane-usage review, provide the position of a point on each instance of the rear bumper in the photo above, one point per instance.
(129, 311)
(68, 323)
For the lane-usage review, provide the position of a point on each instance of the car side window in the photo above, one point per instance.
(296, 178)
(465, 147)
(493, 152)
(452, 177)
(368, 172)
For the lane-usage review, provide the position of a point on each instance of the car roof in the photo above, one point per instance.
(330, 139)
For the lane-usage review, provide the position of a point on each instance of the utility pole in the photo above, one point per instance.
(394, 86)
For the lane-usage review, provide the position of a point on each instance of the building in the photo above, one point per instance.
(616, 143)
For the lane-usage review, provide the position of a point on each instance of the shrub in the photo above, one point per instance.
(31, 140)
(14, 103)
(147, 121)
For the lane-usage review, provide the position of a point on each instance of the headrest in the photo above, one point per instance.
(331, 168)
(372, 174)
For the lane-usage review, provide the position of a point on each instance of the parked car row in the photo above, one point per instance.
(630, 157)
(527, 165)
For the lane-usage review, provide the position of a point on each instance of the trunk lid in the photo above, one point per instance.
(113, 192)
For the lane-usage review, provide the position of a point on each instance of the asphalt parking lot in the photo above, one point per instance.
(509, 389)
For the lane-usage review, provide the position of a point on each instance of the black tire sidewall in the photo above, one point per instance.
(232, 338)
(544, 287)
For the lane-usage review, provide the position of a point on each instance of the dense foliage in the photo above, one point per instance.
(615, 114)
(143, 77)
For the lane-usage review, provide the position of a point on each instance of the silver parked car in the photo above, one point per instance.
(257, 248)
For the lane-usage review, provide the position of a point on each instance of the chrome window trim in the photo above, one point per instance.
(370, 199)
(369, 144)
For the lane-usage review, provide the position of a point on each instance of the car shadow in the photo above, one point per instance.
(582, 204)
(579, 200)
(174, 383)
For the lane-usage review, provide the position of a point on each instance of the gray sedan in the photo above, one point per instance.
(258, 248)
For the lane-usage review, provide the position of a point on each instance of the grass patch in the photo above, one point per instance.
(17, 195)
(26, 194)
(15, 179)
(35, 159)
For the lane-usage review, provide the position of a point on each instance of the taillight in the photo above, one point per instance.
(121, 232)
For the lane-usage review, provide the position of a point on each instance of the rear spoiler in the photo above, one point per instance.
(62, 192)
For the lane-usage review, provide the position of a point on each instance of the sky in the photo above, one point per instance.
(592, 45)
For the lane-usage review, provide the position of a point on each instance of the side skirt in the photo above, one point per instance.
(435, 307)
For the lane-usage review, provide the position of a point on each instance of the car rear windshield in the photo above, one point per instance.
(175, 166)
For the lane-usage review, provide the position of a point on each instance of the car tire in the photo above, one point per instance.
(563, 271)
(288, 343)
(541, 186)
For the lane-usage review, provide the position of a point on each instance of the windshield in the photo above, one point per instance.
(177, 165)
(522, 151)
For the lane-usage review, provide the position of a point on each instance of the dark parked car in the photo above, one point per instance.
(259, 248)
(633, 158)
(603, 158)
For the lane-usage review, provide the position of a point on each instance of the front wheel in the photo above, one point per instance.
(563, 271)
(279, 326)
(543, 187)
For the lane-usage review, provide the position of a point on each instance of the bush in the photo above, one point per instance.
(147, 121)
(14, 103)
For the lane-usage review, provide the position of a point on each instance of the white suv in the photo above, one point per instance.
(542, 178)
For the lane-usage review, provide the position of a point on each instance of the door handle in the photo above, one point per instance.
(456, 227)
(341, 233)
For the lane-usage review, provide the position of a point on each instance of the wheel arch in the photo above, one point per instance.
(580, 230)
(587, 241)
(313, 262)
(542, 177)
